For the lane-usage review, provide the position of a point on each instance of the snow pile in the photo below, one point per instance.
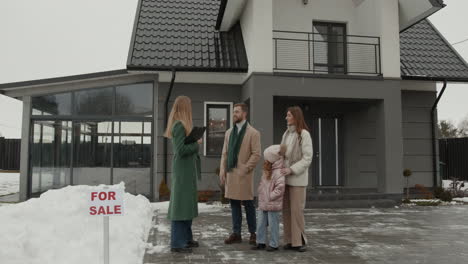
(57, 228)
(447, 184)
(463, 200)
(9, 183)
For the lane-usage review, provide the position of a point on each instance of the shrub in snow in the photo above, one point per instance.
(446, 196)
(57, 228)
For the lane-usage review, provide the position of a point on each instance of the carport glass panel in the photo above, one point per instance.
(50, 155)
(56, 104)
(92, 152)
(72, 138)
(94, 101)
(135, 99)
(132, 156)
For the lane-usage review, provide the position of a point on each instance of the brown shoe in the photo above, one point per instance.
(253, 239)
(233, 238)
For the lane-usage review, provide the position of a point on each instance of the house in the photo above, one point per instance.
(364, 73)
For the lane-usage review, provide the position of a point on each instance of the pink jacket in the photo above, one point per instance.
(270, 192)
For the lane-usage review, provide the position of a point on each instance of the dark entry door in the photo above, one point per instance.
(326, 168)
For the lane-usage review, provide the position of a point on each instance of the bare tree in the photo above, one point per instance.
(447, 129)
(463, 127)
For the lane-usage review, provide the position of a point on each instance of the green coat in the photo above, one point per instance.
(185, 171)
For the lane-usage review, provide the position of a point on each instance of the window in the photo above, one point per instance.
(329, 47)
(217, 122)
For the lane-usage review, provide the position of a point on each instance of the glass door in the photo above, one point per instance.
(330, 53)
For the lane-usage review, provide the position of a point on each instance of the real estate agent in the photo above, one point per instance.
(183, 206)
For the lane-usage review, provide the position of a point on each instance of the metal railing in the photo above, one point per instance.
(326, 54)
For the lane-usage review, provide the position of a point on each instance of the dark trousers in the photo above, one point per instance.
(181, 233)
(236, 210)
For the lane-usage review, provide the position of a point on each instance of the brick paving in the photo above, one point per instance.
(390, 235)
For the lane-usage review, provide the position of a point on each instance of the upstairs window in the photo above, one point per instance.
(330, 47)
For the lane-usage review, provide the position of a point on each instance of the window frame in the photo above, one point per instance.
(331, 68)
(205, 122)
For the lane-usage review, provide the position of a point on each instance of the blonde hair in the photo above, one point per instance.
(181, 111)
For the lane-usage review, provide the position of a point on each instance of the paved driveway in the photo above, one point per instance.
(397, 235)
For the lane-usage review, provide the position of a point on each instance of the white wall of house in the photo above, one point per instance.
(257, 25)
(369, 17)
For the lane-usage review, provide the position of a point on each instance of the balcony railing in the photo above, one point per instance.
(326, 54)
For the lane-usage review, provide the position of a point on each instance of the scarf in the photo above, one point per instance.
(294, 150)
(235, 141)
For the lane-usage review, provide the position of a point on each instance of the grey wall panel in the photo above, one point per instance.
(417, 146)
(418, 163)
(412, 130)
(416, 114)
(417, 143)
(364, 180)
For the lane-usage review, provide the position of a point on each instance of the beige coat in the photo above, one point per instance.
(299, 168)
(239, 183)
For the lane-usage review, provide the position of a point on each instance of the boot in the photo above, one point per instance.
(233, 238)
(253, 239)
(259, 247)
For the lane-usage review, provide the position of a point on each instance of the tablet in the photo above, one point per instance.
(195, 135)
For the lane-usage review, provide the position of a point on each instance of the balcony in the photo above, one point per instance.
(320, 53)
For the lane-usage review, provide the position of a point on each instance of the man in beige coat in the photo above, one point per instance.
(241, 153)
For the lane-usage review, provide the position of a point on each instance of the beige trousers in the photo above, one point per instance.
(293, 215)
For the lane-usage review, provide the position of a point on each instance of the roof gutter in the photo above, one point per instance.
(434, 139)
(166, 111)
(434, 79)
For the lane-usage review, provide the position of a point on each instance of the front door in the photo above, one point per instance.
(326, 168)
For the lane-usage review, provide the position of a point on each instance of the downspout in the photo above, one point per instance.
(434, 140)
(166, 104)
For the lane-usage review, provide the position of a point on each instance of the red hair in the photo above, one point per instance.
(267, 169)
(296, 112)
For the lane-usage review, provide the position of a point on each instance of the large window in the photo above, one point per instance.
(93, 136)
(217, 122)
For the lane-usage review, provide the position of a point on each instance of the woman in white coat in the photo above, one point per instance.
(297, 161)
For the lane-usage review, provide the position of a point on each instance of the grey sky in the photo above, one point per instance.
(51, 38)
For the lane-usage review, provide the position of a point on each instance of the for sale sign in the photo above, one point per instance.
(106, 202)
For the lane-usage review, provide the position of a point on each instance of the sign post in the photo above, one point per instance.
(106, 202)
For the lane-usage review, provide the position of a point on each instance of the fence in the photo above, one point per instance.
(454, 158)
(10, 154)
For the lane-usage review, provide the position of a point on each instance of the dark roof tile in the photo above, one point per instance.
(426, 54)
(181, 34)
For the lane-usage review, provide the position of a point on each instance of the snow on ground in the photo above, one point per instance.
(463, 200)
(447, 184)
(9, 183)
(57, 228)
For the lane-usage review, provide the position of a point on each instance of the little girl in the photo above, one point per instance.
(270, 197)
